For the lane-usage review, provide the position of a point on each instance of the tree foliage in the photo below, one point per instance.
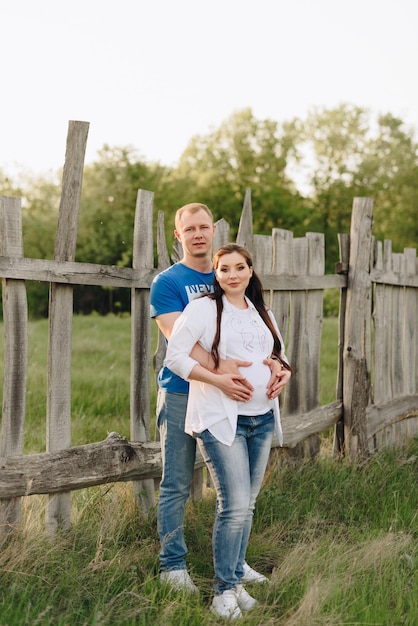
(245, 153)
(349, 155)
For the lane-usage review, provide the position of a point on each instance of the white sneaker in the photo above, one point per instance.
(245, 601)
(226, 605)
(179, 580)
(251, 576)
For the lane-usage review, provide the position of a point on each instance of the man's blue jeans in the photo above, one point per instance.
(178, 451)
(237, 472)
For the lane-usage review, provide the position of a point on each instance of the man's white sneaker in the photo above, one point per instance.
(251, 576)
(245, 601)
(226, 605)
(179, 580)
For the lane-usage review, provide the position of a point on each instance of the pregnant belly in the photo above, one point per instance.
(258, 375)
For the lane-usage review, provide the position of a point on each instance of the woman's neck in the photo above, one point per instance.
(239, 302)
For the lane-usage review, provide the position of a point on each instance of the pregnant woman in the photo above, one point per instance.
(234, 435)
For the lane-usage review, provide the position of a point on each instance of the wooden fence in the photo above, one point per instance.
(376, 381)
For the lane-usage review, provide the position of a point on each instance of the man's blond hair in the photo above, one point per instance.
(192, 207)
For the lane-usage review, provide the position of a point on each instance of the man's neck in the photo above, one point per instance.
(199, 264)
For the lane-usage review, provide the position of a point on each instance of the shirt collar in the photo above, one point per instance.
(229, 308)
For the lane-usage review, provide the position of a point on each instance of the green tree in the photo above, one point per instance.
(390, 171)
(348, 155)
(245, 152)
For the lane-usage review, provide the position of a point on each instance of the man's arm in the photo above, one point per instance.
(166, 321)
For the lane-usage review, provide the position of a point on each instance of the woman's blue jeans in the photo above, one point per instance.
(178, 452)
(237, 473)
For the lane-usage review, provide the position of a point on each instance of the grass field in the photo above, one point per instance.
(339, 542)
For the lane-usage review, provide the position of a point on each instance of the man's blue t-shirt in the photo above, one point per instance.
(171, 291)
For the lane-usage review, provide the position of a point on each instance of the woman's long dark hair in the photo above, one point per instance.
(254, 292)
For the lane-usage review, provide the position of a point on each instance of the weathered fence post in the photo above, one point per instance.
(15, 316)
(410, 326)
(356, 356)
(282, 263)
(314, 305)
(58, 512)
(245, 228)
(341, 268)
(163, 262)
(142, 258)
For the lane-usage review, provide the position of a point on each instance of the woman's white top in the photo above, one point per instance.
(244, 336)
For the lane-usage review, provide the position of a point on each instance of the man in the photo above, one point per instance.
(171, 291)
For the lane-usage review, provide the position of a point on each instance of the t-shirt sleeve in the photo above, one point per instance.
(164, 296)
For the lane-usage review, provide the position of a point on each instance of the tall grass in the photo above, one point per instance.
(338, 542)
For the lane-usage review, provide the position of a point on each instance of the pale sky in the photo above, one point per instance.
(152, 73)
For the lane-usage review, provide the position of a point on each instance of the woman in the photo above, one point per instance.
(234, 437)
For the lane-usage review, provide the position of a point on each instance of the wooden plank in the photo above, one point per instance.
(383, 415)
(58, 436)
(245, 227)
(344, 249)
(298, 428)
(295, 399)
(397, 329)
(282, 263)
(114, 459)
(74, 273)
(163, 263)
(314, 310)
(262, 258)
(410, 326)
(357, 330)
(302, 283)
(381, 371)
(391, 278)
(142, 257)
(222, 234)
(387, 317)
(412, 427)
(314, 307)
(15, 323)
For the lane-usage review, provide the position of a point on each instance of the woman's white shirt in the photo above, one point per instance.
(244, 336)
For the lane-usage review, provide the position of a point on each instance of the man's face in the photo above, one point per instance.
(196, 232)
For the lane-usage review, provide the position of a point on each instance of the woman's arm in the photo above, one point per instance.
(184, 354)
(279, 375)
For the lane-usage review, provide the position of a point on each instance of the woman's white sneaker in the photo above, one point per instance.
(226, 605)
(179, 580)
(251, 576)
(245, 601)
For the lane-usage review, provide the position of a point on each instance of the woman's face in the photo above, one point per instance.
(233, 274)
